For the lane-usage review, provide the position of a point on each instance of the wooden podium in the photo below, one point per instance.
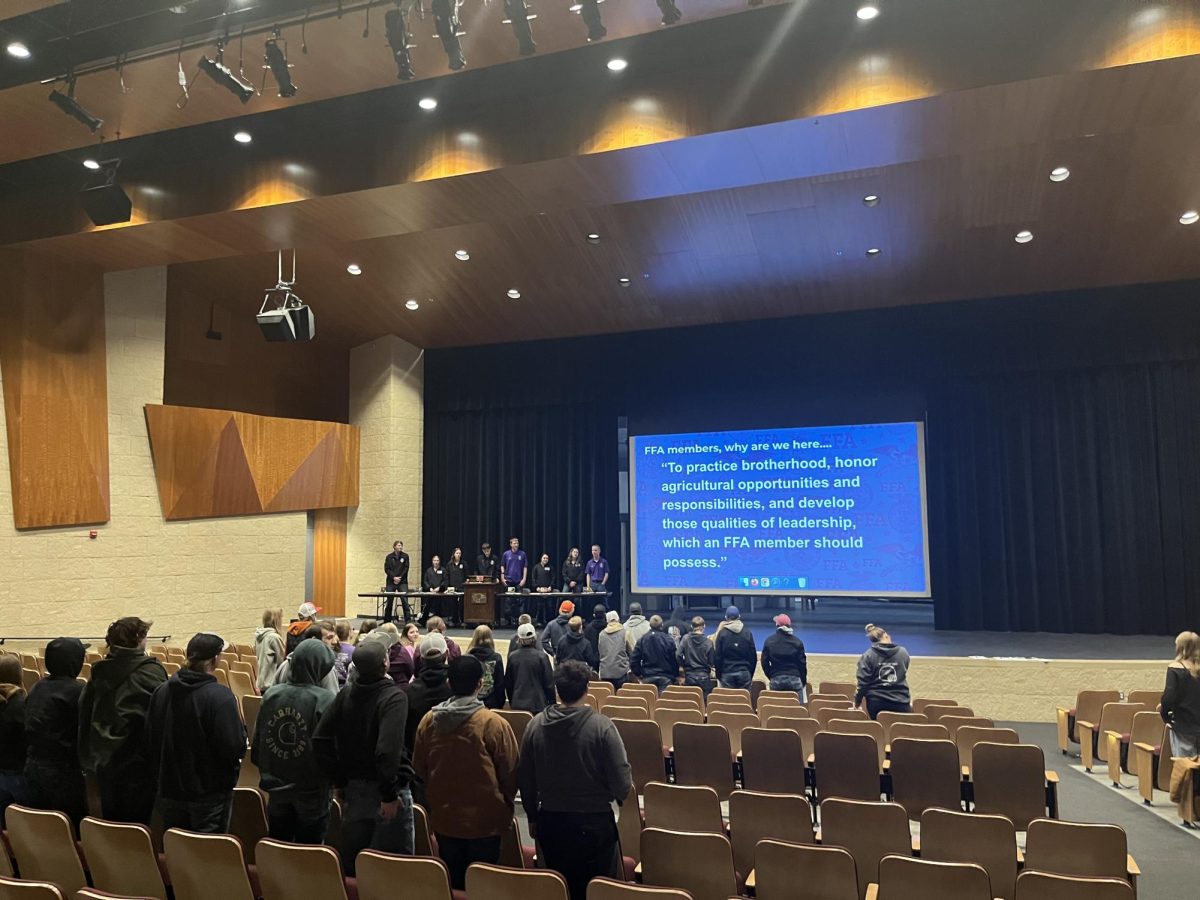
(479, 602)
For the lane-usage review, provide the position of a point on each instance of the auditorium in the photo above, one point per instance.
(602, 450)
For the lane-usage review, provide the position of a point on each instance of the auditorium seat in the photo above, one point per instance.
(826, 714)
(741, 695)
(1153, 764)
(968, 736)
(1114, 717)
(677, 702)
(517, 719)
(699, 863)
(647, 691)
(773, 708)
(887, 719)
(847, 765)
(299, 871)
(815, 706)
(953, 723)
(919, 705)
(728, 706)
(23, 889)
(333, 832)
(644, 747)
(755, 817)
(620, 705)
(846, 688)
(677, 807)
(251, 704)
(925, 775)
(222, 676)
(1078, 848)
(629, 828)
(1011, 780)
(501, 883)
(1147, 728)
(600, 689)
(667, 719)
(121, 858)
(1047, 886)
(703, 757)
(1088, 705)
(30, 677)
(685, 690)
(611, 889)
(172, 667)
(85, 671)
(44, 848)
(991, 841)
(6, 865)
(591, 702)
(1151, 699)
(869, 830)
(936, 713)
(96, 894)
(873, 730)
(237, 665)
(929, 731)
(248, 822)
(827, 873)
(905, 878)
(783, 696)
(204, 866)
(512, 852)
(241, 684)
(734, 723)
(773, 761)
(424, 843)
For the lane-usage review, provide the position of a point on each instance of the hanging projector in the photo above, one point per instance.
(283, 315)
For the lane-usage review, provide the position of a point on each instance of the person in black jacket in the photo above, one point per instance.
(653, 658)
(395, 568)
(483, 648)
(359, 744)
(487, 564)
(572, 572)
(52, 774)
(542, 578)
(436, 581)
(593, 628)
(784, 661)
(1181, 696)
(430, 685)
(575, 645)
(12, 733)
(735, 656)
(456, 569)
(556, 629)
(883, 675)
(529, 678)
(197, 741)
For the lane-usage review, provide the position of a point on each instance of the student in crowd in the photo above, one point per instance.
(467, 757)
(483, 648)
(364, 628)
(529, 678)
(430, 686)
(112, 722)
(883, 675)
(593, 628)
(269, 648)
(197, 741)
(12, 733)
(695, 657)
(556, 629)
(359, 744)
(653, 658)
(575, 645)
(783, 659)
(734, 656)
(636, 624)
(386, 636)
(344, 650)
(313, 633)
(282, 748)
(615, 647)
(456, 571)
(573, 768)
(573, 578)
(306, 616)
(437, 625)
(402, 656)
(542, 579)
(329, 637)
(53, 779)
(1181, 696)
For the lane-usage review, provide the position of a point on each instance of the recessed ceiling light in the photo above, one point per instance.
(427, 103)
(19, 50)
(1191, 217)
(871, 200)
(623, 281)
(354, 269)
(462, 254)
(873, 251)
(514, 294)
(91, 164)
(616, 64)
(1060, 173)
(243, 137)
(1024, 236)
(867, 12)
(593, 237)
(411, 304)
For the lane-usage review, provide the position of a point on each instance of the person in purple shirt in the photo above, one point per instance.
(596, 572)
(514, 568)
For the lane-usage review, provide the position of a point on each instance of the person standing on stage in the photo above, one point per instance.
(457, 570)
(597, 573)
(514, 570)
(486, 564)
(543, 583)
(436, 582)
(395, 567)
(572, 572)
(883, 675)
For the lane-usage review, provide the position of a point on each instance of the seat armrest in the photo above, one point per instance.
(1051, 777)
(750, 881)
(1131, 867)
(1144, 747)
(872, 892)
(1084, 723)
(916, 845)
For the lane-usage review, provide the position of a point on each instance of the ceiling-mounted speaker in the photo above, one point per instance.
(105, 201)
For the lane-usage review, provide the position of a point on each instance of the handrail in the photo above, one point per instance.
(161, 638)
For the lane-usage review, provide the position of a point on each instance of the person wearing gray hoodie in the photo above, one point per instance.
(573, 768)
(735, 657)
(883, 675)
(695, 656)
(269, 648)
(636, 624)
(615, 645)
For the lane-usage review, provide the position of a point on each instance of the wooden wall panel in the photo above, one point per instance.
(212, 462)
(329, 561)
(55, 391)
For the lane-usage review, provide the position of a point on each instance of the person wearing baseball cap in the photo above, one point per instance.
(52, 774)
(735, 656)
(529, 677)
(557, 629)
(429, 686)
(196, 741)
(306, 615)
(783, 659)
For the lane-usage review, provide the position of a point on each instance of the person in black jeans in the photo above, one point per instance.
(542, 578)
(653, 658)
(395, 568)
(572, 572)
(883, 675)
(783, 659)
(52, 774)
(456, 569)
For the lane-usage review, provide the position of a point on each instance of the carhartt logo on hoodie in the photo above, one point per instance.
(286, 734)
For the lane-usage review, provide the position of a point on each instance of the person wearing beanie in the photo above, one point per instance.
(12, 733)
(197, 741)
(783, 659)
(575, 645)
(653, 658)
(593, 628)
(359, 744)
(615, 646)
(636, 624)
(53, 779)
(557, 629)
(281, 747)
(695, 657)
(735, 657)
(428, 688)
(529, 677)
(467, 757)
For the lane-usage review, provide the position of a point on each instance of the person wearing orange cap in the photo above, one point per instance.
(306, 616)
(557, 629)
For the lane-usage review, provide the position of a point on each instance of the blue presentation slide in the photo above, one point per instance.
(832, 510)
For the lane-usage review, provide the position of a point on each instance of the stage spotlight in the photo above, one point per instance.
(518, 15)
(397, 38)
(283, 315)
(590, 11)
(103, 199)
(221, 74)
(68, 104)
(445, 16)
(670, 12)
(276, 61)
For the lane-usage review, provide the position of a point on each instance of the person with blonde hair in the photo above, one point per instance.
(483, 648)
(1181, 697)
(575, 645)
(269, 647)
(883, 675)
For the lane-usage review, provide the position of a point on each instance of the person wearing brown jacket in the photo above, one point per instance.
(467, 756)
